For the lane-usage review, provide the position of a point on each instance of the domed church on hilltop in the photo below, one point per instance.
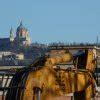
(21, 38)
(17, 49)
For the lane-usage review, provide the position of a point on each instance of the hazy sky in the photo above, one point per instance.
(52, 20)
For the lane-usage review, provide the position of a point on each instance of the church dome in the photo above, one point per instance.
(22, 35)
(20, 27)
(21, 31)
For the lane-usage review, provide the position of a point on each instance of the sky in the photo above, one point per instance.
(52, 20)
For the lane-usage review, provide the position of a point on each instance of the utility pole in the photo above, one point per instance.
(97, 41)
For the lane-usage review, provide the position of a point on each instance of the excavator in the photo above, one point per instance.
(49, 78)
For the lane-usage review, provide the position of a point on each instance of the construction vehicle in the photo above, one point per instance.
(44, 80)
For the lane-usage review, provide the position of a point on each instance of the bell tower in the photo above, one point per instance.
(11, 35)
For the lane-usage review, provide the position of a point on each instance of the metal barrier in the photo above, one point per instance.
(5, 79)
